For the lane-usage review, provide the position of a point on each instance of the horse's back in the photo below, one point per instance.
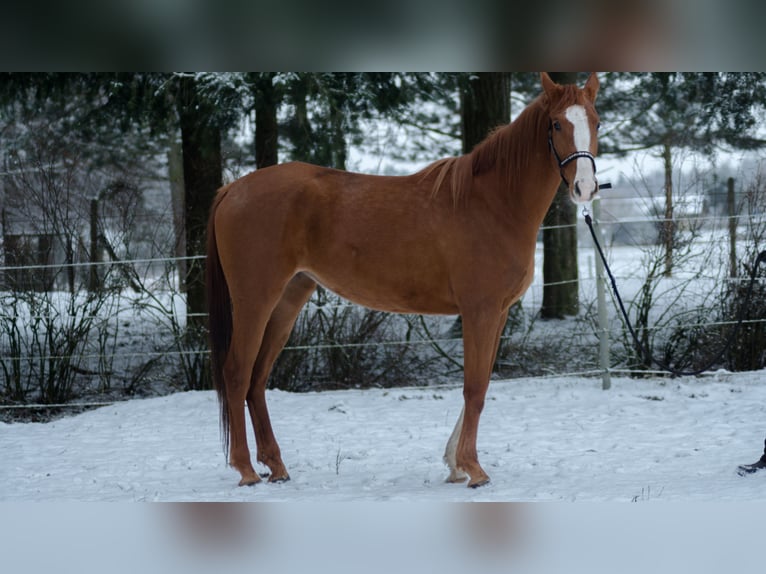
(384, 242)
(371, 239)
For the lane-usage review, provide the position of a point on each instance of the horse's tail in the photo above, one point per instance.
(219, 320)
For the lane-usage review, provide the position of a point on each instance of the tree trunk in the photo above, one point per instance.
(668, 226)
(560, 273)
(731, 210)
(202, 169)
(301, 133)
(266, 125)
(338, 142)
(95, 253)
(177, 193)
(485, 103)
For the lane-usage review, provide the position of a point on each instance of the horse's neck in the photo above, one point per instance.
(536, 192)
(528, 184)
(539, 182)
(528, 195)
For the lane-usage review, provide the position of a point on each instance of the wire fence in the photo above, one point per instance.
(141, 332)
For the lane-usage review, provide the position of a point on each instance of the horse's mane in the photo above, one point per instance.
(509, 149)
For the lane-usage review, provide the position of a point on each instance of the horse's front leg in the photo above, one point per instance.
(481, 336)
(450, 453)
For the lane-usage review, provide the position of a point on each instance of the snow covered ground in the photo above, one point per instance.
(650, 441)
(539, 439)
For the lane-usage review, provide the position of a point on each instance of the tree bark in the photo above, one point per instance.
(301, 133)
(177, 195)
(668, 225)
(731, 210)
(338, 144)
(560, 272)
(202, 170)
(266, 125)
(485, 104)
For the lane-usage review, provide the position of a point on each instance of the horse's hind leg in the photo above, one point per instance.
(278, 329)
(236, 371)
(249, 324)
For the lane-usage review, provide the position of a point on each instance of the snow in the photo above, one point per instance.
(650, 441)
(539, 439)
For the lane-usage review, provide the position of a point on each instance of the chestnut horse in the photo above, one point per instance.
(457, 237)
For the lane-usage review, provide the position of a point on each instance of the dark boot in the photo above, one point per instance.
(745, 469)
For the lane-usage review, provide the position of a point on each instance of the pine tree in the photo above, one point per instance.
(694, 111)
(200, 107)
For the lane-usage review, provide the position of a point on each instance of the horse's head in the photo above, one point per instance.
(573, 134)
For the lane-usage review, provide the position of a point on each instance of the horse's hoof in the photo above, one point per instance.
(456, 477)
(249, 480)
(279, 479)
(479, 483)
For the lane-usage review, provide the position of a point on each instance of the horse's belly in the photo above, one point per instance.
(391, 296)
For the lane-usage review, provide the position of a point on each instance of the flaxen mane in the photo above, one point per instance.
(508, 147)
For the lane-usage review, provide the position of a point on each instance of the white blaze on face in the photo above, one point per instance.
(585, 178)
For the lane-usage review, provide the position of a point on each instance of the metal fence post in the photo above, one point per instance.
(603, 317)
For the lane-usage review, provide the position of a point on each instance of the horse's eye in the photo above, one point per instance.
(598, 126)
(557, 126)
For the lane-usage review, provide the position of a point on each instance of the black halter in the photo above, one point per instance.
(571, 157)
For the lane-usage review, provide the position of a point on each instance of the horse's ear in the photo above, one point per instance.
(591, 87)
(550, 88)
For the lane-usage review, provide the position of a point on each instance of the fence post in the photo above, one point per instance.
(603, 317)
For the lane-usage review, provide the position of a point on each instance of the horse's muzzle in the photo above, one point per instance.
(584, 190)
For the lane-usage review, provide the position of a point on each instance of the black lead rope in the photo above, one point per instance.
(761, 258)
